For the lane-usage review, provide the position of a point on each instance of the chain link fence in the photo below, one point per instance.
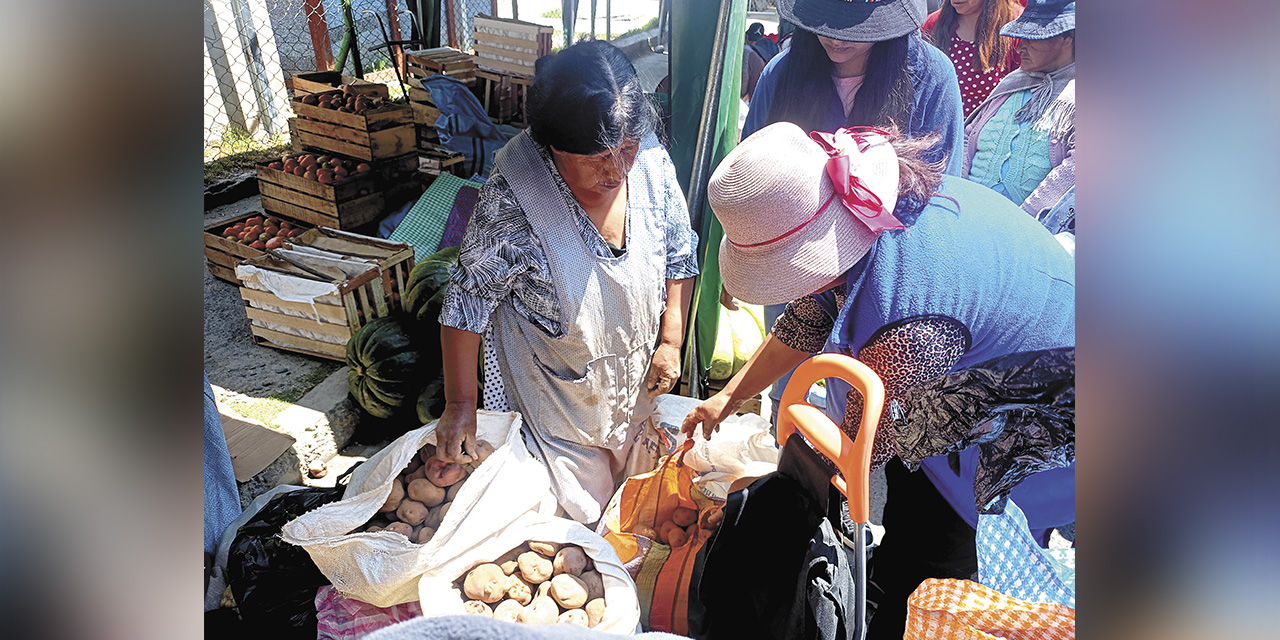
(252, 46)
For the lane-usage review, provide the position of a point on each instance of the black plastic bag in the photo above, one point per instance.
(1019, 410)
(274, 583)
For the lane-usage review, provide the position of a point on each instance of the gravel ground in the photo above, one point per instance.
(240, 370)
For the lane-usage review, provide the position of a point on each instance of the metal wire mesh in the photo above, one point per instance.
(253, 46)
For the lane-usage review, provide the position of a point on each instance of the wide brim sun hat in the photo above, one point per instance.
(1042, 19)
(855, 20)
(786, 233)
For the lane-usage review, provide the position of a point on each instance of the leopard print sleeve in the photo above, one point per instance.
(805, 325)
(904, 354)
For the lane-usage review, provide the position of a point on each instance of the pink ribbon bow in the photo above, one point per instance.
(856, 197)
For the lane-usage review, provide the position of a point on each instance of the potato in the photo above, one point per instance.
(544, 590)
(519, 590)
(595, 584)
(711, 521)
(676, 537)
(373, 528)
(476, 607)
(393, 500)
(684, 516)
(540, 611)
(547, 549)
(570, 559)
(444, 508)
(414, 464)
(400, 528)
(423, 491)
(486, 583)
(569, 591)
(424, 535)
(412, 512)
(507, 610)
(420, 472)
(443, 474)
(595, 611)
(534, 568)
(573, 616)
(452, 492)
(646, 531)
(433, 518)
(483, 450)
(664, 531)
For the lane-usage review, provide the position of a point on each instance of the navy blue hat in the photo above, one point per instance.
(855, 20)
(1042, 19)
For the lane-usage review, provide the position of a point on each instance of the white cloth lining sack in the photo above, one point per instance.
(382, 568)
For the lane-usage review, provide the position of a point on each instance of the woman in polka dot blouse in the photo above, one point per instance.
(968, 31)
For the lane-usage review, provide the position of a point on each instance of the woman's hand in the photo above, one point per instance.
(664, 370)
(710, 414)
(727, 301)
(456, 433)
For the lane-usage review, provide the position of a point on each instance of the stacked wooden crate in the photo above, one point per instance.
(367, 275)
(320, 81)
(510, 46)
(441, 60)
(385, 137)
(346, 202)
(506, 52)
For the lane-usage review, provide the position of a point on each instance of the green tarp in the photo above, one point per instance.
(693, 25)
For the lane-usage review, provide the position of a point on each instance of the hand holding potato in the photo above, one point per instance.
(456, 432)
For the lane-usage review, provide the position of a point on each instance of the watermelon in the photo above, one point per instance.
(722, 357)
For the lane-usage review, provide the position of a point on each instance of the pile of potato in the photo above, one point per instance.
(422, 493)
(537, 583)
(680, 529)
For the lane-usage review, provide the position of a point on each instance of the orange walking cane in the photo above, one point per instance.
(852, 458)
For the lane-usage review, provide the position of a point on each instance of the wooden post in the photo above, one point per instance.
(319, 29)
(453, 23)
(396, 52)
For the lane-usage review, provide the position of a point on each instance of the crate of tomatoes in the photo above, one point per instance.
(326, 190)
(245, 236)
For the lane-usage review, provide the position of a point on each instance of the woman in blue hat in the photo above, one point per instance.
(1021, 141)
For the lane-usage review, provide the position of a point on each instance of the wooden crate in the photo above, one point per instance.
(424, 108)
(505, 96)
(510, 46)
(333, 318)
(436, 160)
(321, 81)
(343, 204)
(222, 254)
(377, 135)
(441, 60)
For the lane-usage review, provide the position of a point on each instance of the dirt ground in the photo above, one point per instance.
(242, 373)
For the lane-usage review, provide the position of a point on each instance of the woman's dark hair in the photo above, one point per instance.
(918, 178)
(805, 91)
(587, 99)
(992, 47)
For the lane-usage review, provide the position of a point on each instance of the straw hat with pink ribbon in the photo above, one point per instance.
(799, 211)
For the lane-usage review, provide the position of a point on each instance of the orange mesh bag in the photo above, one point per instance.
(662, 572)
(965, 610)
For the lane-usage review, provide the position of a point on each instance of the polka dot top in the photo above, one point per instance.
(975, 86)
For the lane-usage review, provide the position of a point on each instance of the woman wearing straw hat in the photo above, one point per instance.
(915, 274)
(579, 256)
(859, 62)
(1021, 141)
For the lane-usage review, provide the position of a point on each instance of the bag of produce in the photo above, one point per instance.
(656, 523)
(539, 570)
(406, 511)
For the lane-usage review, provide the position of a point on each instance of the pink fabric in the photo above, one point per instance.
(341, 618)
(847, 89)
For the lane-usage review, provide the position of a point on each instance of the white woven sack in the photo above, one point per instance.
(439, 597)
(382, 568)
